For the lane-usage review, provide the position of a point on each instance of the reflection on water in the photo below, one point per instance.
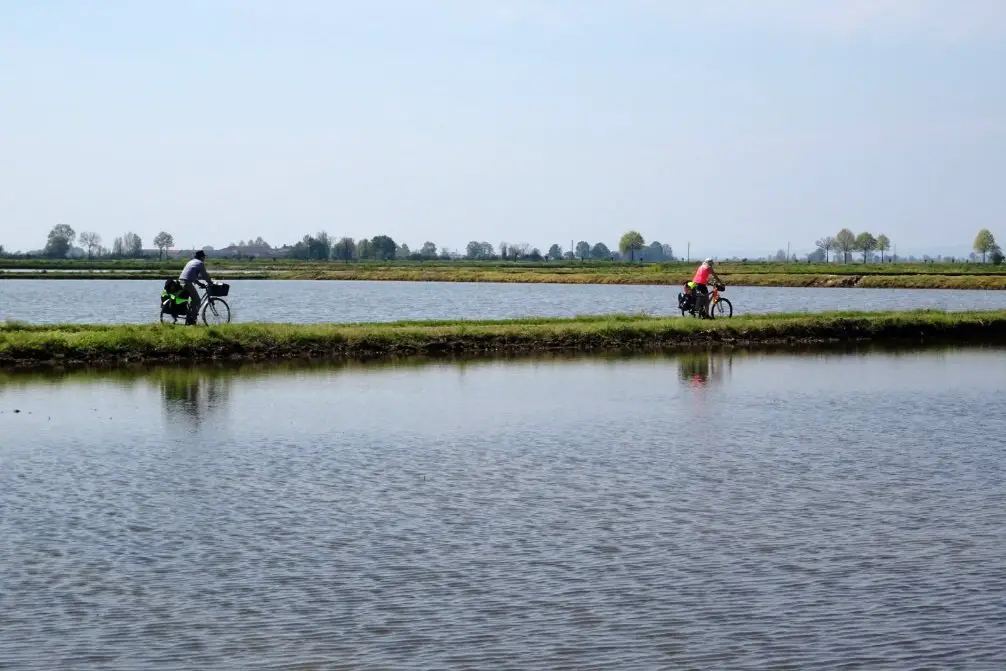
(835, 509)
(704, 369)
(192, 395)
(694, 365)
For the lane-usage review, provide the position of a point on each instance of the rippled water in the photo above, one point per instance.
(136, 301)
(830, 511)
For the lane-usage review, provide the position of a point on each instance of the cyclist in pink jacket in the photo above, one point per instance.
(700, 285)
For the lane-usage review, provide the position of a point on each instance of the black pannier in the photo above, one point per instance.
(219, 289)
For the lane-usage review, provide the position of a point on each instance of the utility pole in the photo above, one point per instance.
(689, 259)
(788, 255)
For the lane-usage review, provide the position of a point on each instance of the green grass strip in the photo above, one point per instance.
(29, 345)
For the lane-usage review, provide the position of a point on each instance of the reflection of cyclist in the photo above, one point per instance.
(700, 286)
(193, 271)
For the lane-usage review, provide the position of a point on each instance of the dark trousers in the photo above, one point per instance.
(192, 291)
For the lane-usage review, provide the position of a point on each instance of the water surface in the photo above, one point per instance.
(137, 301)
(760, 511)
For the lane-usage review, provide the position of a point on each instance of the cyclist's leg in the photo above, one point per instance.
(701, 298)
(193, 293)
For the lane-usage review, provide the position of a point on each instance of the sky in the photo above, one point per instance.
(735, 127)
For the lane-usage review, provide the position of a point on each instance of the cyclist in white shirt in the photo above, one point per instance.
(192, 273)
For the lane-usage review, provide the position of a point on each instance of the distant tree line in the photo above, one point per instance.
(63, 242)
(845, 242)
(321, 246)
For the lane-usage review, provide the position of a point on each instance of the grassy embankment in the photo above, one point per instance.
(24, 345)
(915, 276)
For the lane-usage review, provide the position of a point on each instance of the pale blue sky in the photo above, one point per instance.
(740, 126)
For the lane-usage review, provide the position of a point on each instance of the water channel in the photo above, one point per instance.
(819, 510)
(136, 301)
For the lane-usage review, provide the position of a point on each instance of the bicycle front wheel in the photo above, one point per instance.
(722, 308)
(216, 311)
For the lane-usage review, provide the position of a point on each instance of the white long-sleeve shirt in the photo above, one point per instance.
(193, 271)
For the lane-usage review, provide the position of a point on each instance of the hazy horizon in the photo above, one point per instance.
(740, 127)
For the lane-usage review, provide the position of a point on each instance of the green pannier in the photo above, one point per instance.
(173, 301)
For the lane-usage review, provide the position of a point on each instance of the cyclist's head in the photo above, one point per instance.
(708, 262)
(200, 255)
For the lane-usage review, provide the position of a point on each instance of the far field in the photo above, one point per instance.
(900, 275)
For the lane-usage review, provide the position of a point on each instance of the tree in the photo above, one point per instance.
(479, 250)
(652, 252)
(600, 252)
(583, 250)
(90, 241)
(322, 248)
(554, 253)
(504, 248)
(302, 250)
(383, 247)
(520, 251)
(428, 250)
(473, 250)
(865, 243)
(883, 244)
(118, 248)
(163, 241)
(985, 242)
(995, 256)
(344, 250)
(132, 245)
(313, 248)
(631, 243)
(535, 255)
(845, 242)
(826, 245)
(59, 242)
(364, 250)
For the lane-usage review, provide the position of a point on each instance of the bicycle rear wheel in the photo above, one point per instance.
(171, 319)
(216, 311)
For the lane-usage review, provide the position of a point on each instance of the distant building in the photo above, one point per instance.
(247, 252)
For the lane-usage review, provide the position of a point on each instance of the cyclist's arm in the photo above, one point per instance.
(204, 275)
